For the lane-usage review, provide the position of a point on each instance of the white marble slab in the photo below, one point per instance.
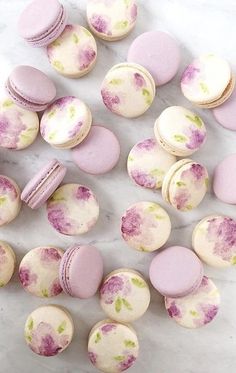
(200, 26)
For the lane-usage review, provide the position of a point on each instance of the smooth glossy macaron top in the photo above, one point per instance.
(81, 271)
(225, 114)
(224, 180)
(10, 200)
(7, 263)
(158, 52)
(176, 272)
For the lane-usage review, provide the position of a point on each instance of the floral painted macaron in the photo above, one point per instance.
(39, 271)
(180, 131)
(214, 241)
(148, 163)
(66, 122)
(19, 127)
(49, 330)
(112, 347)
(185, 185)
(74, 53)
(208, 81)
(126, 84)
(197, 309)
(145, 226)
(10, 202)
(111, 19)
(124, 295)
(7, 263)
(72, 209)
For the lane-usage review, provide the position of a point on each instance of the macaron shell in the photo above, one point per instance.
(74, 53)
(226, 114)
(124, 295)
(125, 84)
(39, 271)
(7, 263)
(49, 323)
(214, 241)
(196, 309)
(111, 20)
(224, 179)
(10, 203)
(145, 226)
(112, 347)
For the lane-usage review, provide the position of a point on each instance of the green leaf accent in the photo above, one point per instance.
(2, 284)
(2, 200)
(87, 32)
(116, 81)
(189, 207)
(56, 198)
(98, 338)
(56, 43)
(196, 120)
(129, 343)
(58, 65)
(127, 304)
(137, 282)
(45, 293)
(75, 38)
(121, 25)
(204, 87)
(61, 327)
(142, 248)
(180, 138)
(153, 207)
(233, 260)
(159, 217)
(130, 158)
(193, 313)
(147, 95)
(118, 304)
(127, 2)
(157, 172)
(52, 135)
(51, 113)
(119, 358)
(72, 111)
(207, 182)
(28, 337)
(180, 184)
(7, 103)
(30, 324)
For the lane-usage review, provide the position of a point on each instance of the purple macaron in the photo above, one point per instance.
(176, 272)
(39, 27)
(81, 271)
(43, 184)
(224, 180)
(225, 114)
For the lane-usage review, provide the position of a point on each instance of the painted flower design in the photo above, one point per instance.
(55, 288)
(3, 258)
(133, 12)
(147, 144)
(181, 198)
(73, 132)
(110, 100)
(6, 187)
(173, 310)
(107, 328)
(131, 223)
(61, 103)
(50, 254)
(139, 81)
(144, 179)
(127, 362)
(189, 74)
(92, 357)
(222, 232)
(196, 138)
(83, 193)
(27, 278)
(11, 129)
(86, 57)
(113, 287)
(100, 23)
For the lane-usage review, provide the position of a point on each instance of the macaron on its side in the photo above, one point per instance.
(10, 200)
(224, 179)
(7, 263)
(225, 114)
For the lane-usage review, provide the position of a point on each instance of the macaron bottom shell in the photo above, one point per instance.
(7, 263)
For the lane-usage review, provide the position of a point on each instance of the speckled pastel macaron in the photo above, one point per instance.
(112, 347)
(197, 309)
(18, 127)
(74, 53)
(208, 81)
(148, 163)
(111, 19)
(214, 240)
(128, 90)
(49, 330)
(10, 202)
(224, 180)
(185, 185)
(225, 114)
(180, 131)
(7, 263)
(39, 271)
(145, 226)
(72, 209)
(66, 122)
(124, 295)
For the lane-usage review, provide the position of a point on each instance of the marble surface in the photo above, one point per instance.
(200, 26)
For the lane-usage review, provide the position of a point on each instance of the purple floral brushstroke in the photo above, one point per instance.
(110, 100)
(131, 223)
(61, 103)
(74, 132)
(6, 186)
(57, 218)
(196, 138)
(105, 329)
(189, 74)
(110, 288)
(55, 288)
(142, 179)
(223, 234)
(209, 311)
(83, 193)
(139, 81)
(3, 258)
(181, 198)
(49, 254)
(147, 144)
(173, 310)
(100, 23)
(133, 12)
(26, 277)
(92, 357)
(11, 129)
(127, 363)
(86, 57)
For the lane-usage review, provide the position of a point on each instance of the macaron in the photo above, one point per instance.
(43, 184)
(225, 114)
(74, 53)
(145, 226)
(112, 347)
(98, 153)
(111, 20)
(18, 127)
(72, 209)
(185, 185)
(49, 330)
(81, 271)
(180, 131)
(148, 163)
(158, 52)
(7, 263)
(10, 202)
(66, 122)
(214, 240)
(124, 295)
(39, 27)
(224, 179)
(208, 81)
(30, 88)
(176, 272)
(196, 309)
(128, 90)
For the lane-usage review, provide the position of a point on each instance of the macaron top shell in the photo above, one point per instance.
(206, 79)
(158, 52)
(225, 114)
(224, 179)
(39, 271)
(180, 131)
(196, 309)
(148, 163)
(214, 240)
(111, 19)
(49, 330)
(66, 122)
(7, 263)
(176, 272)
(125, 84)
(10, 200)
(145, 226)
(112, 347)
